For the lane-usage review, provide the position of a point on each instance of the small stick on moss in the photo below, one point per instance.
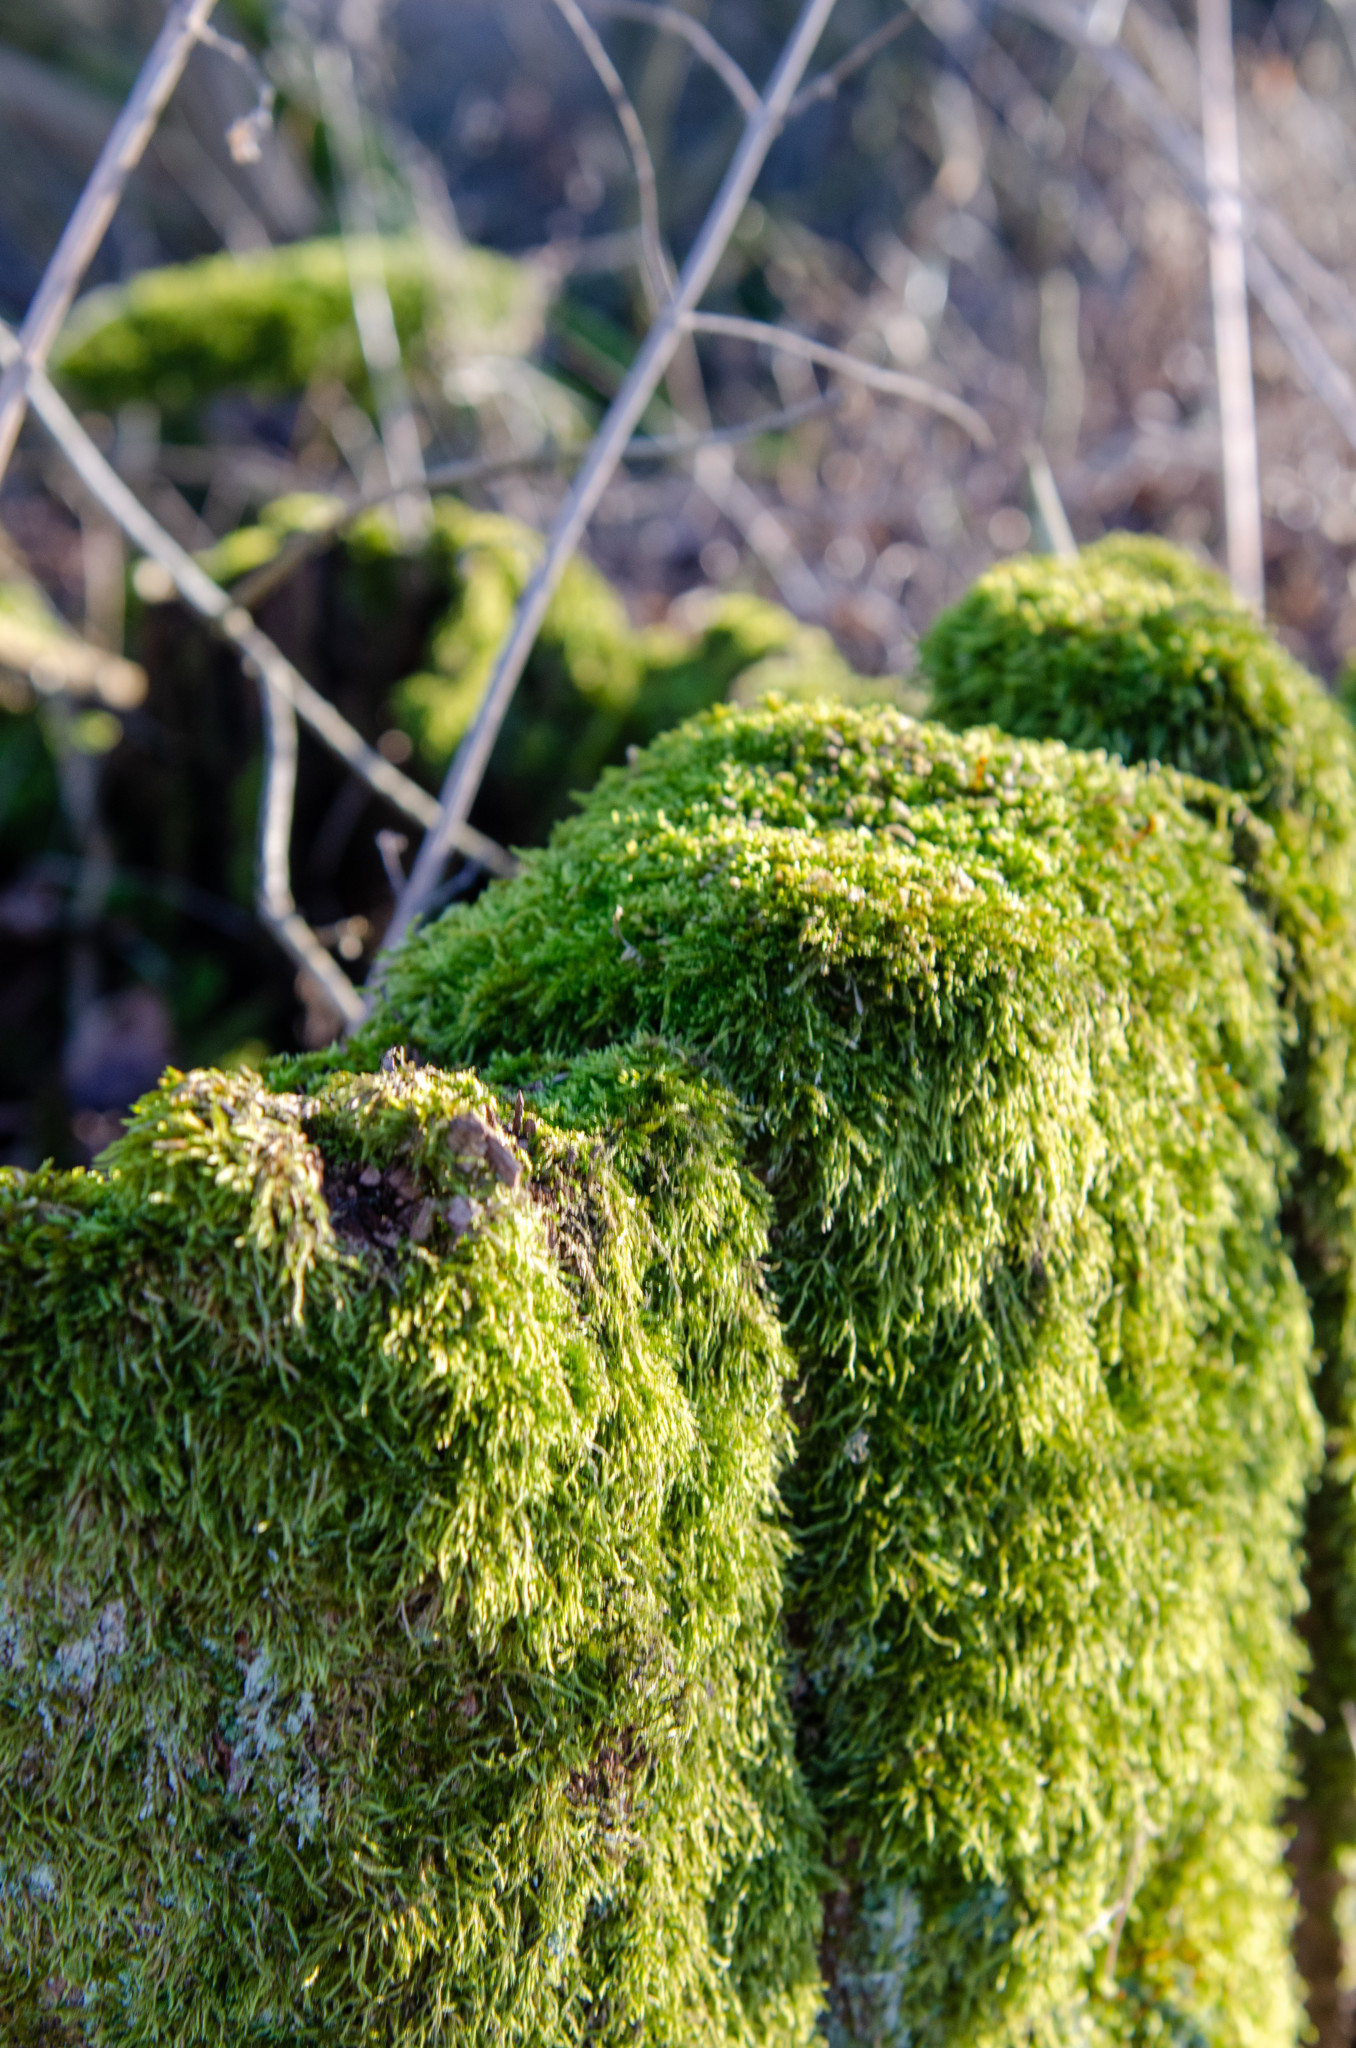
(98, 203)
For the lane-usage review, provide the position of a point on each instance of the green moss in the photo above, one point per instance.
(595, 684)
(271, 321)
(1134, 648)
(390, 1640)
(1006, 1029)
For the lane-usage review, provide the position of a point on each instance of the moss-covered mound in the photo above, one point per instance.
(389, 1644)
(1006, 1030)
(1136, 649)
(595, 685)
(272, 320)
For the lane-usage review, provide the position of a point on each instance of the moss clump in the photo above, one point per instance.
(1136, 649)
(389, 1646)
(271, 321)
(1007, 1033)
(595, 684)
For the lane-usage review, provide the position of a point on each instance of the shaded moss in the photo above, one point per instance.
(595, 685)
(390, 1643)
(1007, 1032)
(1134, 648)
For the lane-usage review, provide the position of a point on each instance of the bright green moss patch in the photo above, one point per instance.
(1134, 648)
(270, 321)
(1007, 1033)
(390, 1643)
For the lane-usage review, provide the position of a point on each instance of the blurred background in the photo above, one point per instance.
(965, 197)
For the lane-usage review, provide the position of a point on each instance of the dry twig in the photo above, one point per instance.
(897, 382)
(696, 34)
(665, 335)
(657, 270)
(1229, 299)
(98, 203)
(1182, 149)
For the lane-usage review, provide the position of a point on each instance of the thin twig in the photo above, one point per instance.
(658, 271)
(1229, 300)
(273, 883)
(232, 621)
(88, 224)
(696, 34)
(826, 85)
(623, 415)
(301, 547)
(897, 382)
(1182, 149)
(372, 313)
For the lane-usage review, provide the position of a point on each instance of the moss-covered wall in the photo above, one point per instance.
(390, 1644)
(595, 684)
(1136, 649)
(933, 1106)
(1008, 1034)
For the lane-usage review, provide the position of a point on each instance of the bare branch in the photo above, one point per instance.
(657, 269)
(301, 547)
(826, 86)
(1328, 380)
(273, 883)
(234, 624)
(665, 336)
(696, 34)
(897, 382)
(85, 229)
(1229, 299)
(372, 314)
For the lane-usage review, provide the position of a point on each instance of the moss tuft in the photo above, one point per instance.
(390, 1641)
(271, 321)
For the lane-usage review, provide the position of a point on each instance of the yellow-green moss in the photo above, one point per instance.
(390, 1644)
(1134, 648)
(1008, 1033)
(273, 320)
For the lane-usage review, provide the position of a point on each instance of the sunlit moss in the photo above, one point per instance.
(272, 321)
(1007, 1033)
(390, 1636)
(1135, 648)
